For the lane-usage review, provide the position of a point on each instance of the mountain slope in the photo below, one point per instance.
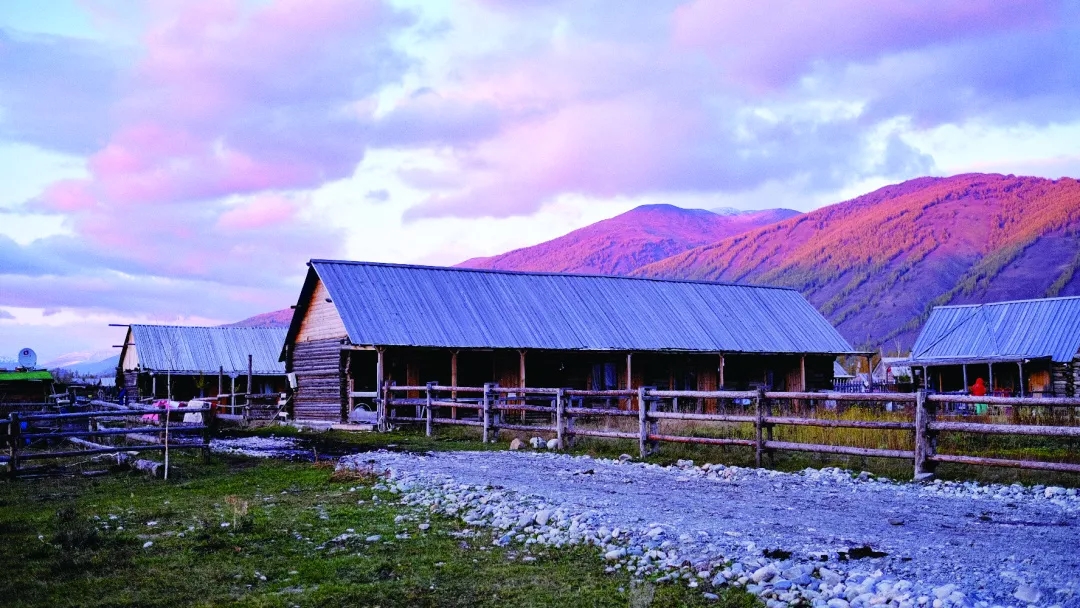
(626, 242)
(876, 264)
(277, 318)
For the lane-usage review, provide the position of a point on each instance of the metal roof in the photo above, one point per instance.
(194, 350)
(33, 375)
(1001, 331)
(405, 305)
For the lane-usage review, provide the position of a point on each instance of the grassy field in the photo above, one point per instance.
(240, 532)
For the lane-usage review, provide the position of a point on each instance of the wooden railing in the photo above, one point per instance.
(45, 436)
(554, 411)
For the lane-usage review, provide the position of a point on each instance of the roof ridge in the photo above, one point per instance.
(547, 273)
(201, 326)
(1001, 302)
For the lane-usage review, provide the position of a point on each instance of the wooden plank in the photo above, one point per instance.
(902, 397)
(1064, 467)
(612, 393)
(849, 424)
(586, 411)
(1032, 401)
(1006, 429)
(838, 449)
(701, 417)
(703, 394)
(702, 440)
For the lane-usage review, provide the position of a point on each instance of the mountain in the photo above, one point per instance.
(105, 367)
(626, 242)
(875, 265)
(71, 361)
(277, 318)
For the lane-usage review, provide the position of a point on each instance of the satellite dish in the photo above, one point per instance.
(27, 358)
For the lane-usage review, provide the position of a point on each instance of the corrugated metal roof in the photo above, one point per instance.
(1026, 329)
(204, 349)
(403, 305)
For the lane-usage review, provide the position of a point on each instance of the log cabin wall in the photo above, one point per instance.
(317, 365)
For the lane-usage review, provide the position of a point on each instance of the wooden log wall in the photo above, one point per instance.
(319, 380)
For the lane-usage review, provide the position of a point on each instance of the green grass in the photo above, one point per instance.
(61, 545)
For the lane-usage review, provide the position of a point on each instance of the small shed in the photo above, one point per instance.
(358, 325)
(183, 362)
(1018, 348)
(892, 370)
(25, 386)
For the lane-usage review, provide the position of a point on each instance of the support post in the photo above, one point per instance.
(232, 395)
(247, 391)
(428, 411)
(487, 411)
(759, 415)
(453, 382)
(1021, 365)
(380, 401)
(924, 441)
(720, 374)
(153, 384)
(13, 444)
(990, 367)
(643, 423)
(168, 387)
(966, 385)
(560, 416)
(654, 424)
(220, 385)
(802, 370)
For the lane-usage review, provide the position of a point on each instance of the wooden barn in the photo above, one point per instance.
(359, 324)
(1027, 348)
(182, 363)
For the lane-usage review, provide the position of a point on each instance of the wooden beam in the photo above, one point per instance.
(521, 375)
(720, 374)
(802, 365)
(453, 382)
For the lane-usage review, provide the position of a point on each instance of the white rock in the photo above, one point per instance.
(553, 444)
(1027, 594)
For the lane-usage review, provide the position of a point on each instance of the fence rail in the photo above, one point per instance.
(25, 434)
(555, 411)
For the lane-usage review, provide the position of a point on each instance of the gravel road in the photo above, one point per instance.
(999, 545)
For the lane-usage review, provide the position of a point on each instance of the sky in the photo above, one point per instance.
(179, 161)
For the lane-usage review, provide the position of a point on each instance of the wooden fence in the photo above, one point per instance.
(48, 436)
(554, 411)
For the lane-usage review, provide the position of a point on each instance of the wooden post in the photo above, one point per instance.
(759, 414)
(232, 395)
(208, 423)
(153, 384)
(350, 384)
(966, 385)
(521, 384)
(924, 444)
(13, 444)
(487, 410)
(168, 389)
(654, 425)
(643, 423)
(220, 385)
(428, 415)
(560, 416)
(380, 401)
(802, 369)
(720, 374)
(990, 367)
(453, 382)
(1021, 365)
(248, 392)
(629, 378)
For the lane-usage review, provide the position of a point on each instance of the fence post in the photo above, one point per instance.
(654, 424)
(759, 426)
(208, 430)
(560, 417)
(428, 411)
(380, 405)
(487, 409)
(13, 449)
(643, 423)
(924, 441)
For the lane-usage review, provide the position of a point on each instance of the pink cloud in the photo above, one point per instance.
(260, 212)
(769, 44)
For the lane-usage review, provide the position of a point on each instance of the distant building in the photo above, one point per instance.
(25, 386)
(892, 370)
(360, 324)
(1027, 347)
(162, 360)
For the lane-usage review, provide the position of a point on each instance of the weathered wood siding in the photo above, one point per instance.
(317, 362)
(1065, 377)
(321, 321)
(317, 365)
